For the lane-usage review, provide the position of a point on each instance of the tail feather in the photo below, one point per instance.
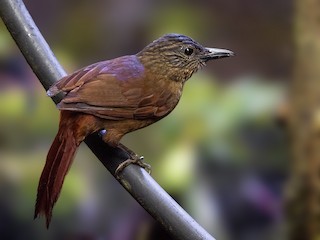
(59, 160)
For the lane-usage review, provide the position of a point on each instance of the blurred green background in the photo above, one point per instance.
(222, 154)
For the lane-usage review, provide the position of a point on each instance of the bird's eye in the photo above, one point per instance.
(188, 51)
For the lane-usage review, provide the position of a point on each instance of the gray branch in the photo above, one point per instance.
(135, 180)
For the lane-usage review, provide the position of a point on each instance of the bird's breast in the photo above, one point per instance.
(169, 96)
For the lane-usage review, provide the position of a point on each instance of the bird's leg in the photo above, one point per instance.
(131, 153)
(134, 159)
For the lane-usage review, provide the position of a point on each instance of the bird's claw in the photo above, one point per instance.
(135, 160)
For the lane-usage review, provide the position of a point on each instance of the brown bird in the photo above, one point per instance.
(119, 96)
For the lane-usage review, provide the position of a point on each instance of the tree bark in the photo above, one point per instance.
(303, 205)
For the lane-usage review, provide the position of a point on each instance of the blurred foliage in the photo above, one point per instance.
(181, 20)
(33, 124)
(221, 134)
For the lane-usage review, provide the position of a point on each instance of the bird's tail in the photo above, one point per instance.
(59, 160)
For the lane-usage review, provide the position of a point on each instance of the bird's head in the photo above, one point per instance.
(177, 56)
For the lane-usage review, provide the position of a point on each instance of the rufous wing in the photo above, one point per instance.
(114, 90)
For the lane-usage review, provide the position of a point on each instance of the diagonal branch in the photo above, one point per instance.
(134, 179)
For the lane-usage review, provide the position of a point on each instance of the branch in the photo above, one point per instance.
(134, 179)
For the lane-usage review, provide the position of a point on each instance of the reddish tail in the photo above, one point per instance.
(59, 160)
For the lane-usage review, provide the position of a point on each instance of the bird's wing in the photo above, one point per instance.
(114, 90)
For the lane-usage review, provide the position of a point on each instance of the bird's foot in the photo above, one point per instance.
(135, 160)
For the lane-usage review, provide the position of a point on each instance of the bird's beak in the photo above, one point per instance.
(215, 53)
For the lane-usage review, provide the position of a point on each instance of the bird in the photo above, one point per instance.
(117, 96)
